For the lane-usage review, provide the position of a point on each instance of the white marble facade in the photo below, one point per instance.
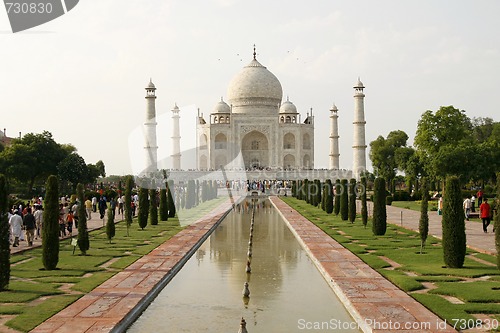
(255, 123)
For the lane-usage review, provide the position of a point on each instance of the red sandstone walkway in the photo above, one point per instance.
(476, 238)
(369, 297)
(106, 305)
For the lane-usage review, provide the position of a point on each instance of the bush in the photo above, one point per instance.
(379, 226)
(329, 197)
(344, 200)
(170, 199)
(153, 208)
(338, 190)
(352, 200)
(402, 196)
(164, 205)
(50, 230)
(4, 235)
(83, 233)
(388, 200)
(453, 223)
(364, 209)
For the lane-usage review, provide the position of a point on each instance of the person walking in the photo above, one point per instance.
(473, 203)
(467, 207)
(38, 214)
(102, 207)
(480, 195)
(29, 226)
(88, 208)
(485, 213)
(16, 225)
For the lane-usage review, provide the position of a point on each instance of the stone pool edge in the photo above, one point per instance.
(118, 302)
(366, 294)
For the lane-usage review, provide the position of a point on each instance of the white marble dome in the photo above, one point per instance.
(288, 107)
(255, 85)
(221, 107)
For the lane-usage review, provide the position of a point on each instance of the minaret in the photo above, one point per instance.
(359, 146)
(150, 147)
(334, 139)
(176, 140)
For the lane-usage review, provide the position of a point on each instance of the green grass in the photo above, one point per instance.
(480, 296)
(30, 282)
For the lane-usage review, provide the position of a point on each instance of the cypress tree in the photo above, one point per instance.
(83, 233)
(143, 207)
(197, 193)
(453, 223)
(190, 194)
(153, 208)
(50, 230)
(352, 200)
(344, 202)
(318, 192)
(4, 235)
(294, 189)
(364, 209)
(329, 197)
(306, 190)
(379, 226)
(170, 199)
(110, 225)
(323, 197)
(496, 222)
(128, 202)
(338, 190)
(163, 205)
(423, 225)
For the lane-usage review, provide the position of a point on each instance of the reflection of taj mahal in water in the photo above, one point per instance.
(269, 134)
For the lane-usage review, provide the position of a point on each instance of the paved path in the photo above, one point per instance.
(107, 305)
(476, 238)
(374, 302)
(92, 224)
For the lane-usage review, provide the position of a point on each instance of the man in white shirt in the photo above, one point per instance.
(467, 207)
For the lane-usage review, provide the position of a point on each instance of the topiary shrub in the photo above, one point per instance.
(164, 205)
(352, 200)
(379, 226)
(453, 224)
(129, 182)
(344, 202)
(388, 200)
(338, 191)
(496, 220)
(83, 233)
(364, 208)
(4, 234)
(170, 199)
(50, 230)
(423, 225)
(143, 207)
(153, 208)
(329, 197)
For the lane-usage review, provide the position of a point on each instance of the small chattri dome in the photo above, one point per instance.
(222, 107)
(288, 107)
(359, 84)
(151, 85)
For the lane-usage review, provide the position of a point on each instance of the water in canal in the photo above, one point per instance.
(287, 292)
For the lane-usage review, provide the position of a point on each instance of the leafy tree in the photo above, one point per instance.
(423, 225)
(4, 235)
(143, 207)
(379, 226)
(352, 200)
(128, 201)
(92, 174)
(383, 153)
(73, 169)
(164, 205)
(435, 131)
(453, 224)
(170, 197)
(410, 163)
(50, 230)
(153, 207)
(110, 225)
(338, 192)
(344, 202)
(364, 209)
(83, 233)
(35, 156)
(102, 169)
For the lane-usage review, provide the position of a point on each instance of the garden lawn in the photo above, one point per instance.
(35, 294)
(457, 293)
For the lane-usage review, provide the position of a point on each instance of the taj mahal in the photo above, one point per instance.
(256, 125)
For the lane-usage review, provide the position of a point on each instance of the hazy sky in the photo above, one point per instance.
(82, 76)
